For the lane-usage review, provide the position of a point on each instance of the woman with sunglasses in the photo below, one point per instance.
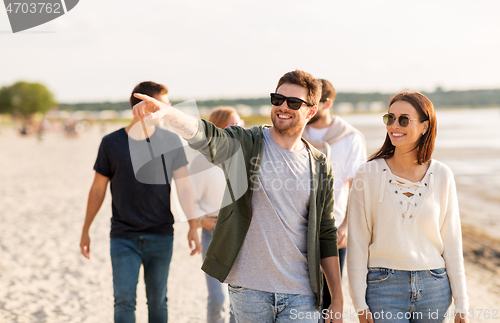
(404, 255)
(208, 192)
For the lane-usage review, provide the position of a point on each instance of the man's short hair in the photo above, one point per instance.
(149, 88)
(306, 80)
(328, 91)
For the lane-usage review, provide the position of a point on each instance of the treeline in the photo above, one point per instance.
(98, 106)
(473, 98)
(440, 98)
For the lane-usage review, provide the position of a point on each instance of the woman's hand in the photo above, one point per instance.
(342, 235)
(193, 240)
(365, 316)
(208, 222)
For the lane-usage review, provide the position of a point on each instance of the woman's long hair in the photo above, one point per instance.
(220, 116)
(425, 110)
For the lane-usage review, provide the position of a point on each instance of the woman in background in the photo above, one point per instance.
(208, 193)
(404, 255)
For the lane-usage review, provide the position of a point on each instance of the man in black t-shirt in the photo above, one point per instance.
(140, 160)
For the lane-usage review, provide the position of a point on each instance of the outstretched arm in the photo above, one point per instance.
(183, 124)
(186, 199)
(217, 145)
(96, 197)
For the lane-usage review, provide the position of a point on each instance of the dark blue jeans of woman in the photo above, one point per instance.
(154, 253)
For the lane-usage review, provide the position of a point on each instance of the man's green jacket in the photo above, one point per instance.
(233, 147)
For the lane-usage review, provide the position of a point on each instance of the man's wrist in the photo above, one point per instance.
(337, 299)
(336, 302)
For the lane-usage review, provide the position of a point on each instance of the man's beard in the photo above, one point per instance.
(288, 130)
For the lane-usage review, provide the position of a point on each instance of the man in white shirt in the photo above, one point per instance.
(345, 148)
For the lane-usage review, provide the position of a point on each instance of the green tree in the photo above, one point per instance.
(23, 99)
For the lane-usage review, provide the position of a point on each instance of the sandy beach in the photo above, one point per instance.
(43, 277)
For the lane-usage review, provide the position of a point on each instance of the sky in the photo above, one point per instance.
(239, 49)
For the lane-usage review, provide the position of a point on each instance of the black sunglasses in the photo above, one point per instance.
(403, 121)
(293, 103)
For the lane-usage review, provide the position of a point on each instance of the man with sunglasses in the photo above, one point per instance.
(345, 148)
(271, 243)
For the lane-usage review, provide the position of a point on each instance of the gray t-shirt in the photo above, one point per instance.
(273, 257)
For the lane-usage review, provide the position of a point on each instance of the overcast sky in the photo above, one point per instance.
(232, 49)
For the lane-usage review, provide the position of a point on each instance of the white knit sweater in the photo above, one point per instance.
(388, 229)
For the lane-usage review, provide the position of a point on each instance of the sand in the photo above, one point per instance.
(44, 278)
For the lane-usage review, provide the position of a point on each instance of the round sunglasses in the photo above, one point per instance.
(403, 121)
(292, 102)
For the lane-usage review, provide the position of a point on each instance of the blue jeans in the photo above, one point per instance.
(422, 296)
(127, 255)
(251, 306)
(216, 297)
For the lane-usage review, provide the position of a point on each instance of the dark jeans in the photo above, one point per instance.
(326, 300)
(154, 253)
